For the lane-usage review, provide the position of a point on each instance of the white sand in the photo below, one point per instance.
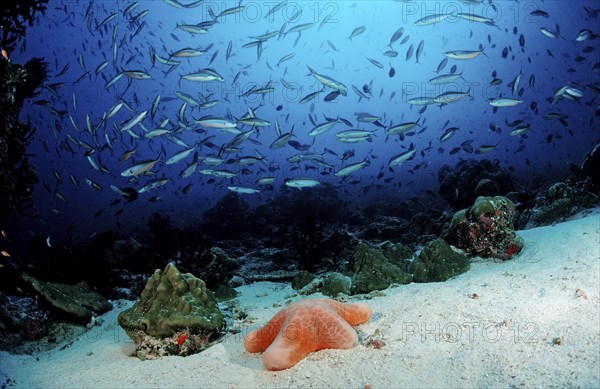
(435, 334)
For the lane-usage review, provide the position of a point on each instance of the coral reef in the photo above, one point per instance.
(371, 270)
(306, 242)
(315, 230)
(486, 229)
(76, 302)
(162, 234)
(460, 185)
(411, 222)
(555, 203)
(299, 226)
(438, 262)
(330, 252)
(171, 303)
(307, 223)
(579, 191)
(320, 204)
(213, 266)
(118, 267)
(95, 263)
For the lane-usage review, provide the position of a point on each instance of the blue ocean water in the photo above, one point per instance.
(347, 44)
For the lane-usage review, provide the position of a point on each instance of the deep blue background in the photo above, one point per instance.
(61, 35)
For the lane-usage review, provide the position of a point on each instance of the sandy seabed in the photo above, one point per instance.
(530, 322)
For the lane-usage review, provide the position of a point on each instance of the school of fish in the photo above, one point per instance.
(149, 140)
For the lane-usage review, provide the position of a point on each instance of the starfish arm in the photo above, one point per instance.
(293, 343)
(356, 313)
(258, 340)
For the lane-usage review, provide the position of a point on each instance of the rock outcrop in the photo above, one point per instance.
(76, 303)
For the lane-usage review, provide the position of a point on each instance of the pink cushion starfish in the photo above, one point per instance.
(306, 326)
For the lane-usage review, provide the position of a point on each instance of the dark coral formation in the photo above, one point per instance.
(438, 262)
(590, 167)
(460, 185)
(562, 200)
(559, 201)
(172, 303)
(303, 223)
(315, 229)
(16, 15)
(215, 267)
(486, 229)
(191, 249)
(268, 264)
(411, 222)
(228, 219)
(307, 223)
(17, 174)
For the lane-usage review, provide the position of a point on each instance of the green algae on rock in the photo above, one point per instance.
(371, 270)
(302, 279)
(438, 262)
(225, 293)
(170, 303)
(76, 302)
(336, 283)
(396, 253)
